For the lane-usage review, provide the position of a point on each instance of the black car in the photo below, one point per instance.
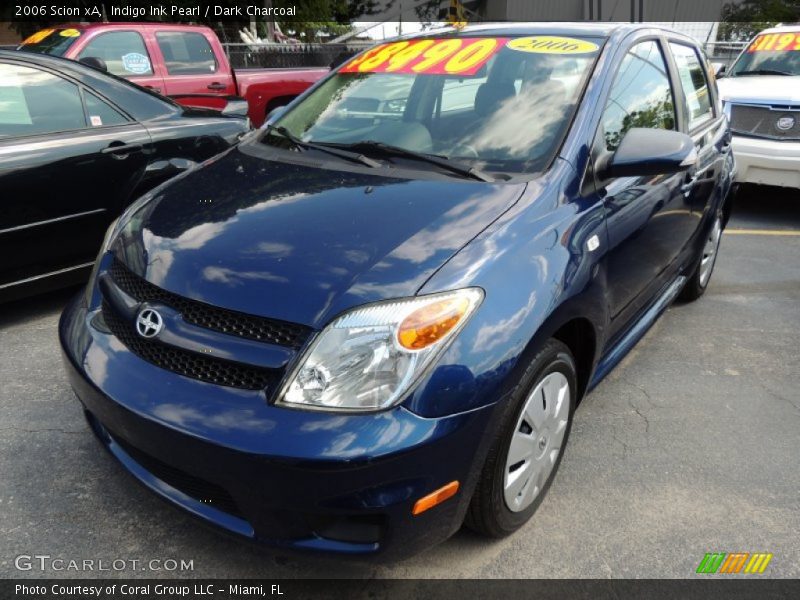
(76, 146)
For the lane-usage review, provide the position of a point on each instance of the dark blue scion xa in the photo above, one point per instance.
(372, 321)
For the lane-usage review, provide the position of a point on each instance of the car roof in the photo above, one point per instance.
(55, 62)
(781, 28)
(87, 25)
(75, 69)
(598, 29)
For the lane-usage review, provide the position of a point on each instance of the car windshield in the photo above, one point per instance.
(51, 41)
(496, 104)
(770, 54)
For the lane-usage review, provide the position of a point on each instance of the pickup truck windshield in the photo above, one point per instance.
(497, 104)
(51, 41)
(770, 54)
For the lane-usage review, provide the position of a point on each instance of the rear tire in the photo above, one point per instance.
(528, 445)
(698, 281)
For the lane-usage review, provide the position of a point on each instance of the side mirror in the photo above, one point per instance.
(95, 63)
(719, 69)
(275, 113)
(644, 152)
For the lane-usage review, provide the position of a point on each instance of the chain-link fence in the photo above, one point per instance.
(295, 56)
(288, 56)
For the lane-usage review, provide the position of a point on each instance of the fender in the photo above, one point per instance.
(553, 232)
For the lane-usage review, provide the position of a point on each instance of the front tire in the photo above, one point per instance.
(528, 447)
(698, 281)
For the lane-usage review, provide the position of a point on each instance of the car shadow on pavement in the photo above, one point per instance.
(26, 309)
(762, 206)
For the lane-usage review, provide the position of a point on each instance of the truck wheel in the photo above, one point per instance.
(528, 446)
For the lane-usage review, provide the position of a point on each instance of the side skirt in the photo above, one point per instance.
(636, 332)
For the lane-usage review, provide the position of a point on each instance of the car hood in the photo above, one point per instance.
(761, 89)
(302, 243)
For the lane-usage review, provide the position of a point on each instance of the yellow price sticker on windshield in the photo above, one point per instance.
(776, 42)
(38, 36)
(445, 56)
(69, 33)
(553, 44)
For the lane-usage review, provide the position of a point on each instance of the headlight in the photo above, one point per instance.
(368, 358)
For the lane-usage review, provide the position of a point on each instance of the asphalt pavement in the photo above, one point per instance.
(689, 446)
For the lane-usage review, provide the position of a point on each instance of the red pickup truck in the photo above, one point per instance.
(182, 61)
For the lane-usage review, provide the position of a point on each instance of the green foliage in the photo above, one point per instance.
(742, 20)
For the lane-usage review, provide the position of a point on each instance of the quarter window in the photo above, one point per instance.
(124, 53)
(186, 53)
(35, 102)
(641, 95)
(101, 114)
(695, 84)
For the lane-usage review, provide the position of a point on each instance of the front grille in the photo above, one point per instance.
(211, 317)
(190, 364)
(194, 487)
(762, 121)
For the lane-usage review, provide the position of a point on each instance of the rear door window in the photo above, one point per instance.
(694, 83)
(186, 53)
(124, 53)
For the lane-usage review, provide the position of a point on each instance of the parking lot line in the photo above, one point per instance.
(786, 232)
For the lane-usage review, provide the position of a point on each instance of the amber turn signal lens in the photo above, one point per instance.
(429, 324)
(434, 498)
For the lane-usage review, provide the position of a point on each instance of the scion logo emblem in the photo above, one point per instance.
(149, 323)
(785, 123)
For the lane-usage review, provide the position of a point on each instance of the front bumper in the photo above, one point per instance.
(767, 162)
(290, 478)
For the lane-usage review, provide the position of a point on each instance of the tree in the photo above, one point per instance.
(742, 20)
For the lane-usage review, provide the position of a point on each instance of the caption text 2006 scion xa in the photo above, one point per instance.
(372, 321)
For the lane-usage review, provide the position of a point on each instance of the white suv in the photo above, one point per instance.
(761, 96)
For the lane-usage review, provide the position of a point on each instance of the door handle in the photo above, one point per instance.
(217, 86)
(691, 181)
(155, 89)
(121, 151)
(701, 177)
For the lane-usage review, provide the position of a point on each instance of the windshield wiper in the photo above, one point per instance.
(762, 72)
(445, 163)
(352, 156)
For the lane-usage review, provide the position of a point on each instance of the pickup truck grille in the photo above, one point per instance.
(211, 317)
(763, 121)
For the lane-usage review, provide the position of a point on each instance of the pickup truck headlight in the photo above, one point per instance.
(368, 358)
